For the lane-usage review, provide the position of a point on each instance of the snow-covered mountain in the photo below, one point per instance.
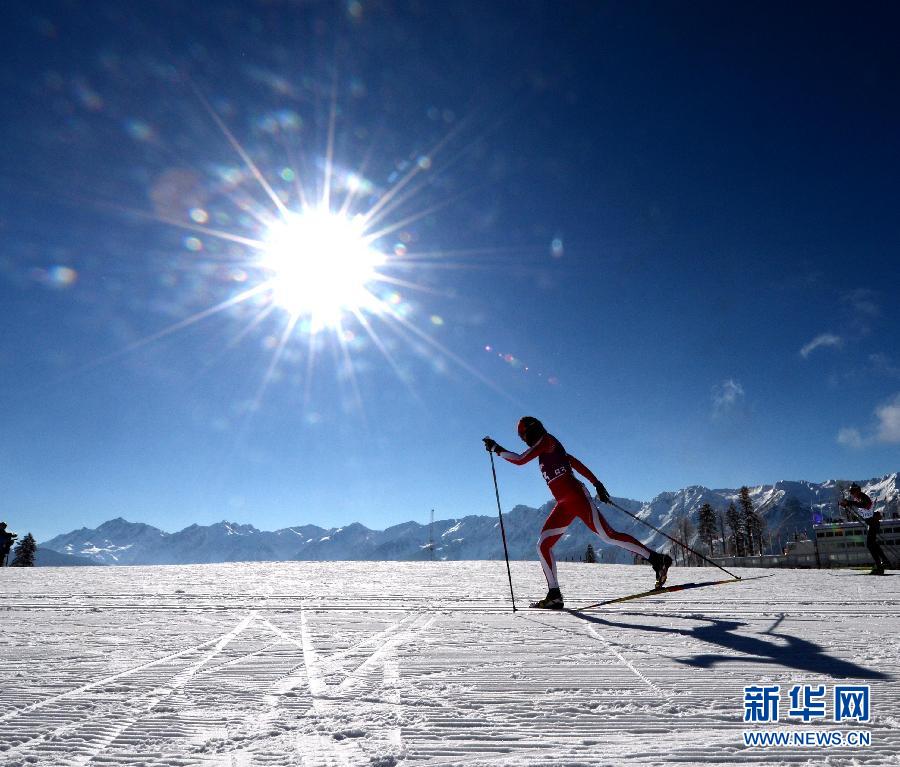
(786, 506)
(119, 542)
(44, 557)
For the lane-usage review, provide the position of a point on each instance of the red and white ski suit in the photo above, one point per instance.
(572, 500)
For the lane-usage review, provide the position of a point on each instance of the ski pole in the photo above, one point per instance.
(503, 532)
(674, 540)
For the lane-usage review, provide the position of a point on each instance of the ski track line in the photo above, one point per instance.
(374, 639)
(264, 598)
(627, 662)
(388, 648)
(176, 683)
(618, 655)
(235, 661)
(293, 679)
(326, 698)
(234, 758)
(106, 680)
(313, 660)
(317, 686)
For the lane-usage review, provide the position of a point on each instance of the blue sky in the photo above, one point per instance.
(668, 231)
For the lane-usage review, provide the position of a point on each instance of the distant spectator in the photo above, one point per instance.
(859, 500)
(6, 542)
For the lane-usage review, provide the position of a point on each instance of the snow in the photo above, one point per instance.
(453, 529)
(335, 663)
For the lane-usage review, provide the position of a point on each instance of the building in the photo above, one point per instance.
(842, 544)
(836, 544)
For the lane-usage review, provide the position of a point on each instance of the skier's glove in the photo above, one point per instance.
(602, 494)
(490, 445)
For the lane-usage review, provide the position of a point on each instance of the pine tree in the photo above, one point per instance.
(735, 524)
(720, 518)
(673, 552)
(589, 555)
(706, 526)
(685, 533)
(24, 552)
(751, 521)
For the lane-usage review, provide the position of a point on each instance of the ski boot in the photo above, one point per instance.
(553, 601)
(661, 564)
(877, 570)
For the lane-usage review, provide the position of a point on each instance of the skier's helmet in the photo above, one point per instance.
(530, 430)
(854, 488)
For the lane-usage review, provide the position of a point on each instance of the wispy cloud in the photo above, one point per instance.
(821, 341)
(859, 308)
(726, 396)
(888, 415)
(850, 437)
(884, 365)
(885, 430)
(863, 302)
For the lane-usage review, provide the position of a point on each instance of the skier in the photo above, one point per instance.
(859, 500)
(6, 543)
(572, 500)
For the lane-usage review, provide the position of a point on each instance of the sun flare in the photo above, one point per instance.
(319, 265)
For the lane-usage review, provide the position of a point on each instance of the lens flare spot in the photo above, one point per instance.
(199, 216)
(56, 277)
(556, 247)
(139, 130)
(193, 244)
(63, 276)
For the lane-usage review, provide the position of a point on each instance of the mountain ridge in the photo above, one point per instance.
(787, 506)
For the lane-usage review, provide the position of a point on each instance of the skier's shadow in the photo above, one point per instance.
(791, 652)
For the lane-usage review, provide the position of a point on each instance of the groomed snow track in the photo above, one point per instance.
(425, 664)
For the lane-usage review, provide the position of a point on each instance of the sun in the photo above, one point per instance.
(320, 266)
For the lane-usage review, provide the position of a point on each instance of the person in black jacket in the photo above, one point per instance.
(6, 543)
(859, 500)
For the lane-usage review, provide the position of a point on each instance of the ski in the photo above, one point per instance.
(667, 590)
(875, 575)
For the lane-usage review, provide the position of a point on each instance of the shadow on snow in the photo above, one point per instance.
(791, 652)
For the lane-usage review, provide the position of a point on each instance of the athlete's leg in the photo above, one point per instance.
(876, 551)
(557, 521)
(592, 517)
